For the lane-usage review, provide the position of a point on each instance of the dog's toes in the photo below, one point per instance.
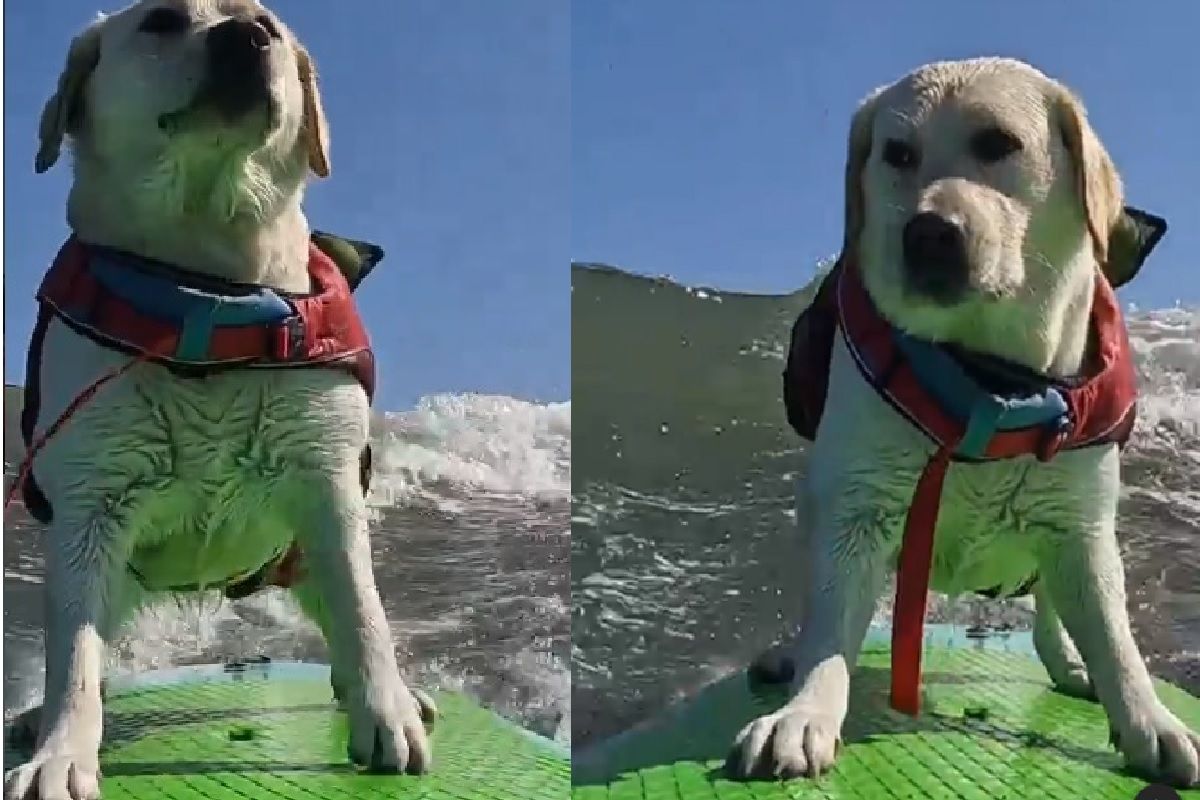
(392, 738)
(1160, 747)
(53, 777)
(18, 783)
(84, 784)
(420, 753)
(805, 745)
(790, 743)
(748, 758)
(1179, 757)
(389, 752)
(1194, 743)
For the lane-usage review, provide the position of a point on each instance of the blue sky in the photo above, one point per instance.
(450, 125)
(708, 136)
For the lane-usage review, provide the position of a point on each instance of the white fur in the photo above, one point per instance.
(198, 481)
(1002, 520)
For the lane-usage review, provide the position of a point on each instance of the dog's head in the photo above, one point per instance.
(207, 108)
(974, 185)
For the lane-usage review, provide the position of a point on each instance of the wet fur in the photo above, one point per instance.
(1037, 228)
(197, 481)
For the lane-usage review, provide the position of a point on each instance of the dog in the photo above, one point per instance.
(194, 125)
(979, 209)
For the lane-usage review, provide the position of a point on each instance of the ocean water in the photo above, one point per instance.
(683, 550)
(471, 535)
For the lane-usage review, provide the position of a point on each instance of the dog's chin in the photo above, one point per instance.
(206, 117)
(945, 291)
(936, 293)
(931, 316)
(210, 169)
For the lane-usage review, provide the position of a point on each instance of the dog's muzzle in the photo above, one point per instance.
(936, 263)
(238, 66)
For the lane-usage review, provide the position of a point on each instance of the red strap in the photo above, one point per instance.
(912, 583)
(49, 433)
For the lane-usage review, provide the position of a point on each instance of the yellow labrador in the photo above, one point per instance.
(979, 204)
(194, 125)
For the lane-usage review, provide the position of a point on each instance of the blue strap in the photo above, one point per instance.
(195, 311)
(982, 412)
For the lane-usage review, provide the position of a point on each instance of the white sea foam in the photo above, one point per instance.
(1167, 347)
(453, 445)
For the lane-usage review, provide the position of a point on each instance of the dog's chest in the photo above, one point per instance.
(210, 475)
(868, 459)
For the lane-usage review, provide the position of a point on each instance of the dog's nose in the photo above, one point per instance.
(935, 256)
(238, 65)
(238, 40)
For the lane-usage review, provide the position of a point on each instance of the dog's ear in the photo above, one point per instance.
(1132, 240)
(1097, 182)
(316, 129)
(858, 150)
(63, 112)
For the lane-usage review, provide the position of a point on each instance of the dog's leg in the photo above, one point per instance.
(25, 731)
(308, 595)
(848, 568)
(386, 730)
(65, 763)
(1083, 574)
(1056, 650)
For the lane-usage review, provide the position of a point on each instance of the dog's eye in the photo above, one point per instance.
(164, 21)
(268, 25)
(994, 144)
(900, 155)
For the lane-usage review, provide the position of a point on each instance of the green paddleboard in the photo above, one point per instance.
(272, 732)
(991, 727)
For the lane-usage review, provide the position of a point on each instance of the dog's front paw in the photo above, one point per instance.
(387, 728)
(793, 741)
(56, 772)
(1159, 746)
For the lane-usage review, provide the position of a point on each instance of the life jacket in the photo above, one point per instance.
(973, 408)
(196, 326)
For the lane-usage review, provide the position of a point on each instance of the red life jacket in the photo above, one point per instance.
(195, 325)
(1098, 408)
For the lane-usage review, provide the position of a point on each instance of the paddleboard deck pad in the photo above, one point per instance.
(990, 727)
(272, 731)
